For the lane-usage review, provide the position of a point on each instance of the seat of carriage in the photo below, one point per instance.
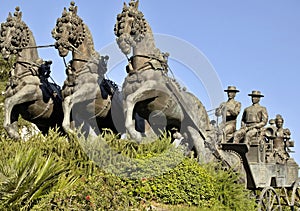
(264, 147)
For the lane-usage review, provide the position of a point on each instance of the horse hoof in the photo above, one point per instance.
(12, 133)
(136, 137)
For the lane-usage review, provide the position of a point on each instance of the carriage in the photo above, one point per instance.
(274, 182)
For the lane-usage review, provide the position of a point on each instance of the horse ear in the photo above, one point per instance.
(65, 11)
(20, 15)
(75, 9)
(124, 5)
(136, 4)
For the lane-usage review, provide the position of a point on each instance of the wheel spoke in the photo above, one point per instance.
(269, 200)
(296, 194)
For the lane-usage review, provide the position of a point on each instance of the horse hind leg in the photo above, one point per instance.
(203, 152)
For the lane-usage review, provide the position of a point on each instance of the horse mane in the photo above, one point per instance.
(79, 31)
(22, 36)
(141, 29)
(89, 37)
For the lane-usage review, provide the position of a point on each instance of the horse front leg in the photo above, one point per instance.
(26, 94)
(67, 107)
(86, 92)
(10, 123)
(129, 122)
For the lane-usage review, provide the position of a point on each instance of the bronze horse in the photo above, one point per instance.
(28, 92)
(150, 92)
(87, 95)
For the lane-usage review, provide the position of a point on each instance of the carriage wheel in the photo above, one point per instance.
(295, 200)
(269, 200)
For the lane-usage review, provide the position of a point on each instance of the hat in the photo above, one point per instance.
(256, 94)
(231, 89)
(278, 116)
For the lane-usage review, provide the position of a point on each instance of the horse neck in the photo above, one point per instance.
(27, 57)
(145, 47)
(84, 52)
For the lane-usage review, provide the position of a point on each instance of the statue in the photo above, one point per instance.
(147, 89)
(229, 111)
(86, 91)
(281, 141)
(254, 118)
(150, 92)
(28, 92)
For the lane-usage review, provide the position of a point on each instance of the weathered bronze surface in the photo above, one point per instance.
(229, 111)
(150, 92)
(28, 92)
(86, 92)
(281, 140)
(147, 87)
(254, 118)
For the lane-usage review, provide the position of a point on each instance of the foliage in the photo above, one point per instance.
(128, 175)
(107, 173)
(101, 191)
(5, 67)
(26, 177)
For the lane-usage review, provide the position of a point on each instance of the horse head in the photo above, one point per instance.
(69, 32)
(130, 27)
(14, 35)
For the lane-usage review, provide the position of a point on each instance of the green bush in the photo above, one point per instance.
(135, 180)
(26, 177)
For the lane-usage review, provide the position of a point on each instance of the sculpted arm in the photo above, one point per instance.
(219, 110)
(264, 118)
(236, 110)
(286, 133)
(243, 122)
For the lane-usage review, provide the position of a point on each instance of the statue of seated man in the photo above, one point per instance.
(229, 111)
(254, 118)
(282, 135)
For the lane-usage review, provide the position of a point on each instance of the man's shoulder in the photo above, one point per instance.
(263, 108)
(233, 102)
(237, 102)
(256, 107)
(249, 108)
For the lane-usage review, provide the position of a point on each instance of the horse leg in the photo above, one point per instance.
(87, 92)
(67, 106)
(27, 93)
(204, 152)
(129, 122)
(150, 89)
(12, 128)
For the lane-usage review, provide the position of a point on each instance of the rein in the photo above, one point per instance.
(38, 46)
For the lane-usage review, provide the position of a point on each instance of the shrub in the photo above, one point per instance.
(26, 177)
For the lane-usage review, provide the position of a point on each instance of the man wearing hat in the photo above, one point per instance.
(229, 111)
(254, 118)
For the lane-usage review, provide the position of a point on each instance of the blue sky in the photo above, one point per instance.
(252, 44)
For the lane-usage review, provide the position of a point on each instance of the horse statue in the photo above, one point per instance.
(87, 94)
(150, 92)
(28, 92)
